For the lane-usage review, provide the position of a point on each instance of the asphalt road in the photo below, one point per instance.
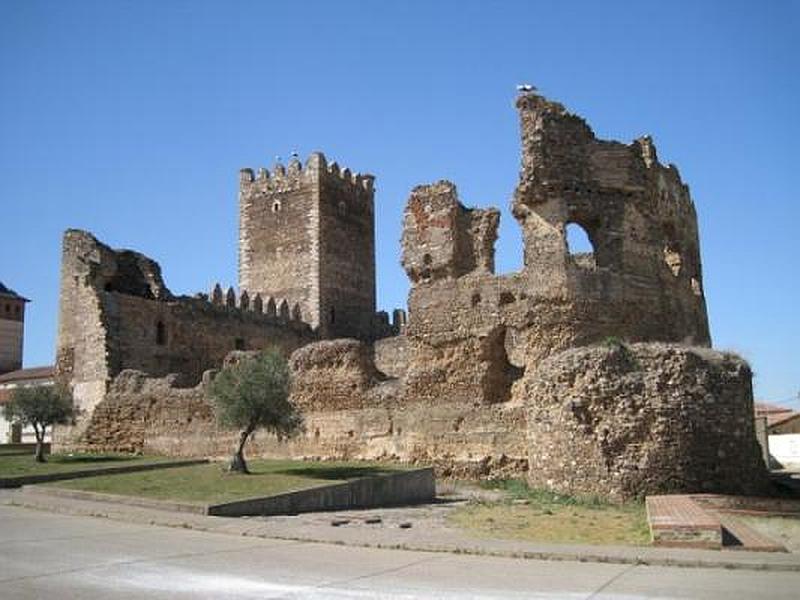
(44, 555)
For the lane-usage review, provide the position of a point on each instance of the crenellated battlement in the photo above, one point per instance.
(270, 307)
(306, 235)
(296, 174)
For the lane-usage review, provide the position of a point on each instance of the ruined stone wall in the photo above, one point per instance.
(391, 356)
(625, 421)
(116, 313)
(88, 269)
(444, 239)
(350, 412)
(139, 409)
(470, 332)
(307, 235)
(636, 212)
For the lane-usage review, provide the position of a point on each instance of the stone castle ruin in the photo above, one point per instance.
(591, 372)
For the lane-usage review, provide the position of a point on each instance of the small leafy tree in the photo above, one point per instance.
(251, 393)
(40, 406)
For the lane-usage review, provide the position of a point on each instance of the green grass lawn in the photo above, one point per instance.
(543, 516)
(18, 465)
(211, 484)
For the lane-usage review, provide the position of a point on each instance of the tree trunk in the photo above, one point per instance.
(238, 464)
(39, 454)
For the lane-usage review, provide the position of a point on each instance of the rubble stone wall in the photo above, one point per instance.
(623, 421)
(391, 356)
(471, 333)
(350, 413)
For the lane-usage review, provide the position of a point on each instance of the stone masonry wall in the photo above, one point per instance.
(624, 421)
(278, 224)
(490, 375)
(471, 333)
(391, 356)
(350, 413)
(307, 235)
(116, 313)
(637, 213)
(347, 254)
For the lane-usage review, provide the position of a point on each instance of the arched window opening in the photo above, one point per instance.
(161, 334)
(333, 315)
(276, 206)
(580, 246)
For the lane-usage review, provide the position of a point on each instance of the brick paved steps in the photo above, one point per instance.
(679, 521)
(745, 537)
(688, 522)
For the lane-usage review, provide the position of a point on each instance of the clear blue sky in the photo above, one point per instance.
(132, 119)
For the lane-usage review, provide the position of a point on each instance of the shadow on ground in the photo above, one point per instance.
(337, 473)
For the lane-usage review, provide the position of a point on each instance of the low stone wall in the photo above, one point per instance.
(136, 408)
(22, 448)
(625, 421)
(368, 422)
(19, 481)
(394, 489)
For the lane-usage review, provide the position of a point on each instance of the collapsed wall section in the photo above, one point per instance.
(642, 282)
(637, 214)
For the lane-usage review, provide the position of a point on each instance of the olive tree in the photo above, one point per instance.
(253, 393)
(40, 406)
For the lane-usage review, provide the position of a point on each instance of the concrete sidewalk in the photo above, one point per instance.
(422, 528)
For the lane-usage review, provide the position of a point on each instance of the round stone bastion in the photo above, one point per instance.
(623, 421)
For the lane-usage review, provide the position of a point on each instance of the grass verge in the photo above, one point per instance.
(544, 516)
(23, 464)
(211, 484)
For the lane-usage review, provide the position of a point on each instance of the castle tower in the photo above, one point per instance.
(12, 327)
(307, 236)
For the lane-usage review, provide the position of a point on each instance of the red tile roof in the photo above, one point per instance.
(31, 374)
(774, 413)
